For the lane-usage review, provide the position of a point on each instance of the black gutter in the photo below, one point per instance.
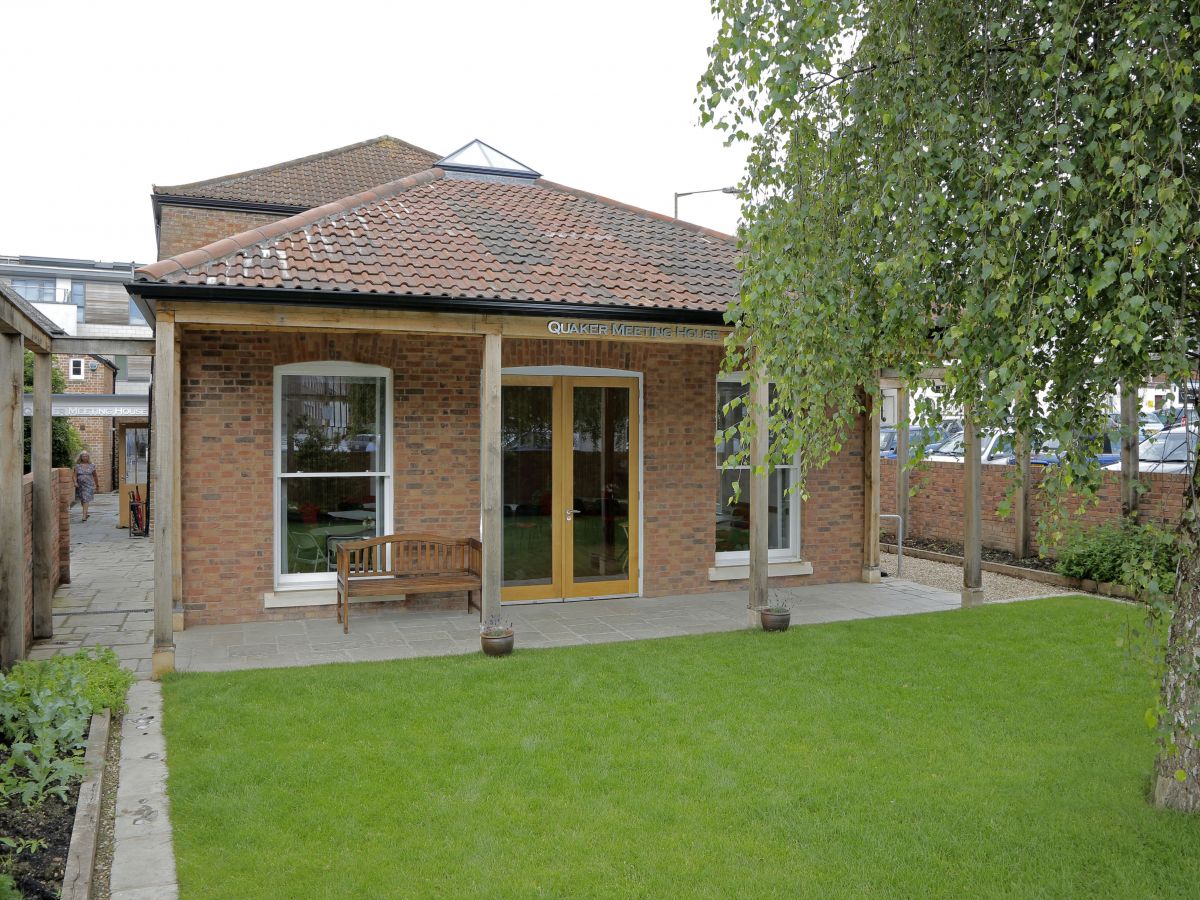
(414, 303)
(281, 209)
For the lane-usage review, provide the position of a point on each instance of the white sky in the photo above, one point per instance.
(105, 99)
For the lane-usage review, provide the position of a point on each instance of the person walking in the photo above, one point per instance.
(85, 481)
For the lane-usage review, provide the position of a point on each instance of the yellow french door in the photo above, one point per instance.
(570, 469)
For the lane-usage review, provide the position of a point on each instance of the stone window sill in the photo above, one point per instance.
(778, 569)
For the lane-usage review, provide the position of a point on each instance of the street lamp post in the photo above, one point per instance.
(678, 194)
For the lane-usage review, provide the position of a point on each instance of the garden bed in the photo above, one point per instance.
(49, 786)
(953, 548)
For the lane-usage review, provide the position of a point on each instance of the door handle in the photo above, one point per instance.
(571, 514)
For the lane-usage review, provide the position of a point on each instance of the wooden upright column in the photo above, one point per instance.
(177, 618)
(491, 488)
(870, 569)
(902, 426)
(163, 492)
(760, 399)
(1129, 451)
(12, 501)
(45, 546)
(972, 591)
(1020, 503)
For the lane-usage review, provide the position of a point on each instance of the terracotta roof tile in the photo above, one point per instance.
(431, 235)
(314, 180)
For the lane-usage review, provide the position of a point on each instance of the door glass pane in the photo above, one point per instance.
(527, 413)
(136, 462)
(332, 423)
(600, 464)
(318, 513)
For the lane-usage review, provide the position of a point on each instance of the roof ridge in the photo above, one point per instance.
(600, 198)
(277, 229)
(288, 164)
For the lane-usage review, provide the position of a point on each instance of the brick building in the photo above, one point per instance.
(333, 374)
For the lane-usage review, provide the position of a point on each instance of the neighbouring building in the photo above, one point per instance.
(331, 369)
(87, 299)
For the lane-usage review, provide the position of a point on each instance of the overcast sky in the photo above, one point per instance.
(105, 100)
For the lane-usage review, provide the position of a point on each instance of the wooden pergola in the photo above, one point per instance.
(972, 588)
(23, 328)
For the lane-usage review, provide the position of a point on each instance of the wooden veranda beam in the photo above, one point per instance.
(972, 591)
(12, 505)
(760, 398)
(45, 547)
(491, 478)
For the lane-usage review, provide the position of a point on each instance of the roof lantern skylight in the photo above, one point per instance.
(479, 158)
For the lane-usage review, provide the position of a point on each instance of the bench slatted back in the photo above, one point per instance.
(409, 554)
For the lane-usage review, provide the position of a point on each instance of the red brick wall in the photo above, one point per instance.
(185, 228)
(936, 510)
(96, 431)
(226, 426)
(60, 479)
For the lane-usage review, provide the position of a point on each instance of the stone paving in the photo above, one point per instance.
(401, 634)
(110, 599)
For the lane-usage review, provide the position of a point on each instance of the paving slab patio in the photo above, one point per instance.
(110, 599)
(402, 633)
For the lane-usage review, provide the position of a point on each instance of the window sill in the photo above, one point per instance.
(779, 569)
(299, 596)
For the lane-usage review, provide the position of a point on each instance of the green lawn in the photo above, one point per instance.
(995, 751)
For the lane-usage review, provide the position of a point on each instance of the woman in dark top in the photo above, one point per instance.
(85, 481)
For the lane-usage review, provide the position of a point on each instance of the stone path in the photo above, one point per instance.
(401, 634)
(110, 599)
(143, 864)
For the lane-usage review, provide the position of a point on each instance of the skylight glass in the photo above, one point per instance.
(484, 158)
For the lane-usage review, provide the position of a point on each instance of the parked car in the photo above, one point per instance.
(995, 448)
(1046, 453)
(916, 437)
(1171, 450)
(1150, 423)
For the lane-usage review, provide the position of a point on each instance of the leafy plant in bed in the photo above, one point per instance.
(45, 710)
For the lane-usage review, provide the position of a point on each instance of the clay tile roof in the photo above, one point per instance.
(314, 180)
(433, 235)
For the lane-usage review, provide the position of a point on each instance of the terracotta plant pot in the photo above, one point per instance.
(497, 645)
(775, 621)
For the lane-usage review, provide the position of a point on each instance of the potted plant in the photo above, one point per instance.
(496, 637)
(775, 616)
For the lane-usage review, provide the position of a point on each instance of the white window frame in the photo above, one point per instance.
(791, 553)
(301, 581)
(71, 376)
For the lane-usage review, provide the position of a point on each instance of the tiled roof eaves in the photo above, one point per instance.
(230, 245)
(192, 187)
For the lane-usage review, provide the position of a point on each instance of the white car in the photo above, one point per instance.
(1171, 450)
(995, 448)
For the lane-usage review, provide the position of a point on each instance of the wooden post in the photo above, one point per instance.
(760, 501)
(1129, 451)
(972, 591)
(902, 426)
(177, 617)
(1021, 498)
(166, 486)
(12, 501)
(491, 477)
(870, 569)
(45, 545)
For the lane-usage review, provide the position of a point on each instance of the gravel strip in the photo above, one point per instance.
(948, 577)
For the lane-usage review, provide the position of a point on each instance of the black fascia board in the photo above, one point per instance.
(420, 303)
(281, 209)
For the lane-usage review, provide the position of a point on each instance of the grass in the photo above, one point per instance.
(993, 751)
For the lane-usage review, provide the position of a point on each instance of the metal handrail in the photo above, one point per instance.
(899, 539)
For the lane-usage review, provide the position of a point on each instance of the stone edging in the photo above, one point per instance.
(1103, 588)
(81, 855)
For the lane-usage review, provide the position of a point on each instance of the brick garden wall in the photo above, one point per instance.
(62, 487)
(227, 445)
(935, 512)
(186, 228)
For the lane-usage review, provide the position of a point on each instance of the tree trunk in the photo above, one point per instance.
(1181, 682)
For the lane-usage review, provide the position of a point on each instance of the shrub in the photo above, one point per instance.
(45, 708)
(1141, 558)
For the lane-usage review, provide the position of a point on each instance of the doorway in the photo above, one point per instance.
(570, 448)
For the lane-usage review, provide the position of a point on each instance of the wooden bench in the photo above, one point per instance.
(406, 564)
